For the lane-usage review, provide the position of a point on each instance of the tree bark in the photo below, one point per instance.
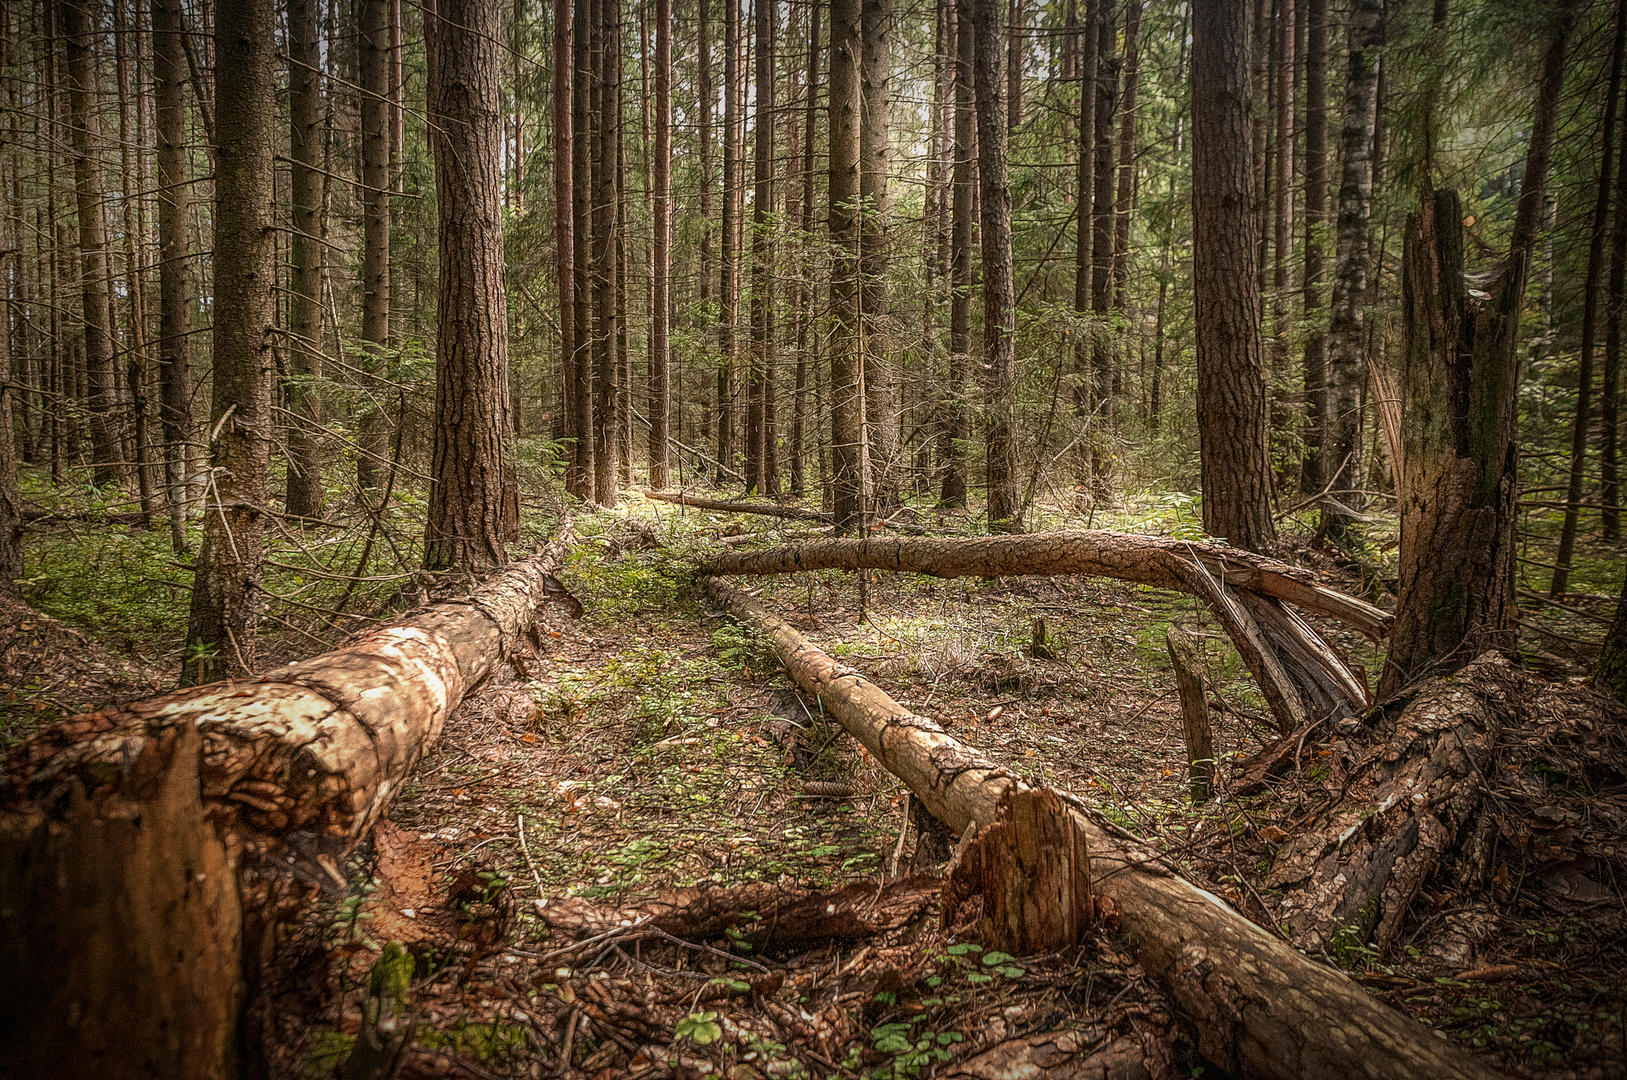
(999, 294)
(307, 272)
(584, 114)
(660, 317)
(848, 450)
(11, 511)
(1106, 91)
(875, 231)
(792, 513)
(1611, 671)
(1215, 964)
(1084, 396)
(564, 137)
(474, 497)
(728, 249)
(373, 67)
(1313, 468)
(760, 386)
(145, 852)
(963, 194)
(1341, 448)
(1459, 486)
(226, 598)
(1231, 385)
(1598, 229)
(133, 182)
(1124, 202)
(106, 446)
(1282, 218)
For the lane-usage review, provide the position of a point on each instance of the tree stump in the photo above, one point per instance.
(1191, 686)
(1031, 869)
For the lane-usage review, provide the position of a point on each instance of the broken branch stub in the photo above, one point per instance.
(147, 850)
(1259, 1007)
(1191, 686)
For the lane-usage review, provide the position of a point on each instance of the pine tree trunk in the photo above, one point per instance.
(305, 492)
(132, 147)
(728, 258)
(963, 182)
(605, 91)
(373, 67)
(1610, 383)
(875, 314)
(1460, 481)
(564, 80)
(11, 509)
(1611, 670)
(584, 115)
(1231, 387)
(999, 293)
(708, 93)
(103, 399)
(1282, 219)
(225, 595)
(1124, 204)
(1084, 381)
(806, 363)
(1106, 91)
(660, 317)
(759, 381)
(848, 451)
(1014, 67)
(474, 501)
(1346, 340)
(1313, 466)
(1597, 231)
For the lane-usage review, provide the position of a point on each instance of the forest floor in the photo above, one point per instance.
(651, 758)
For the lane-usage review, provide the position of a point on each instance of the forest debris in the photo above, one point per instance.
(763, 914)
(791, 513)
(1064, 1054)
(1215, 964)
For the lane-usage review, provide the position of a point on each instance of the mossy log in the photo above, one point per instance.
(146, 851)
(1259, 1007)
(1301, 675)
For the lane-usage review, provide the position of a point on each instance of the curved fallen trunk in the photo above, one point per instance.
(147, 850)
(1302, 676)
(1259, 1006)
(790, 513)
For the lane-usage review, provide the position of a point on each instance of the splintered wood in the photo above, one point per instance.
(1031, 870)
(1192, 687)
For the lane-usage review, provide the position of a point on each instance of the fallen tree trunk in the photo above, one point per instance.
(791, 513)
(1302, 676)
(1259, 1007)
(147, 851)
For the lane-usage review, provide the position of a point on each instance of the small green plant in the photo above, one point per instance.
(700, 1028)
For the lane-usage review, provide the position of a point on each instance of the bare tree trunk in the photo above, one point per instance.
(875, 228)
(708, 93)
(1610, 384)
(660, 318)
(103, 400)
(848, 450)
(1313, 468)
(1106, 91)
(1014, 67)
(1231, 387)
(728, 257)
(474, 498)
(584, 115)
(1597, 230)
(624, 360)
(373, 41)
(759, 385)
(1128, 182)
(11, 510)
(999, 293)
(174, 260)
(1346, 340)
(805, 279)
(1611, 670)
(1282, 218)
(963, 181)
(226, 598)
(1459, 483)
(564, 80)
(132, 147)
(1084, 394)
(305, 492)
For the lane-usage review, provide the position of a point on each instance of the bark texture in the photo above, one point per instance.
(474, 497)
(1231, 383)
(1259, 1006)
(146, 851)
(847, 437)
(305, 252)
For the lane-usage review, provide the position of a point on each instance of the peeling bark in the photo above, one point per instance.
(1259, 1007)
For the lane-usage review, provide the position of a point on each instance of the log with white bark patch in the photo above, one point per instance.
(1258, 1006)
(145, 851)
(1301, 675)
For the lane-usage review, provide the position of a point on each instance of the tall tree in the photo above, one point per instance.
(1610, 383)
(1316, 210)
(759, 475)
(564, 226)
(1124, 203)
(660, 317)
(1231, 386)
(607, 135)
(11, 515)
(1598, 230)
(1460, 453)
(305, 249)
(85, 133)
(1611, 670)
(584, 113)
(999, 291)
(963, 197)
(1084, 388)
(875, 164)
(1346, 338)
(132, 184)
(847, 437)
(1106, 91)
(1282, 203)
(474, 498)
(805, 278)
(373, 68)
(225, 593)
(728, 251)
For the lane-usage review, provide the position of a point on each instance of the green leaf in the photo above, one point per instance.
(992, 958)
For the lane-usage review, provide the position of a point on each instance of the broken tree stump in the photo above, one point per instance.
(147, 852)
(1302, 676)
(1031, 869)
(1259, 1006)
(1192, 687)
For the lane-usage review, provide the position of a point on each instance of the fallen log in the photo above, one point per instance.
(148, 851)
(1302, 676)
(1258, 1006)
(791, 513)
